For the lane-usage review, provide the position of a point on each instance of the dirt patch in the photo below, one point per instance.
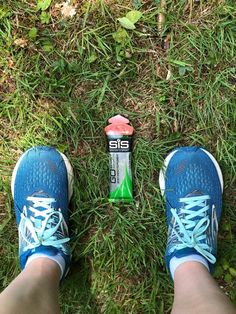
(6, 130)
(46, 105)
(145, 125)
(7, 83)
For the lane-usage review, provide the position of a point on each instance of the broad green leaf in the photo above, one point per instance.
(121, 36)
(119, 53)
(232, 271)
(33, 33)
(43, 4)
(182, 71)
(134, 16)
(225, 264)
(218, 272)
(126, 23)
(226, 226)
(44, 17)
(47, 46)
(228, 278)
(180, 63)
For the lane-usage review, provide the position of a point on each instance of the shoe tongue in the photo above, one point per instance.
(194, 193)
(41, 194)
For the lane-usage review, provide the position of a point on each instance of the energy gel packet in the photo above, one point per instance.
(119, 134)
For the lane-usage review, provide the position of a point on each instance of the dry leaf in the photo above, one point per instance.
(67, 10)
(56, 10)
(10, 64)
(166, 44)
(58, 5)
(21, 42)
(169, 74)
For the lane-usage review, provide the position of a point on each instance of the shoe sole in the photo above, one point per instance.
(168, 159)
(70, 175)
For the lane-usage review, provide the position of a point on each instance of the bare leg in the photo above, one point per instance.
(34, 291)
(197, 292)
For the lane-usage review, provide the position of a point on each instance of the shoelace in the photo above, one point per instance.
(41, 231)
(191, 230)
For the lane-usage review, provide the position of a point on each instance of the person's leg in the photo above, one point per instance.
(34, 290)
(41, 187)
(197, 292)
(192, 184)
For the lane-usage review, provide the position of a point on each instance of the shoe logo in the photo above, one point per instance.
(52, 166)
(214, 222)
(181, 167)
(213, 228)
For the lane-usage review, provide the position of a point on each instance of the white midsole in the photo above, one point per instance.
(70, 175)
(166, 163)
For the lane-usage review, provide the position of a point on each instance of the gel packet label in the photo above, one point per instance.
(119, 135)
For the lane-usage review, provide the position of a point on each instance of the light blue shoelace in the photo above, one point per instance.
(37, 231)
(192, 228)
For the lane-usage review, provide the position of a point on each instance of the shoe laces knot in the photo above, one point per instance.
(42, 227)
(192, 224)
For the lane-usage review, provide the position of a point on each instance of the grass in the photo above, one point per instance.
(61, 88)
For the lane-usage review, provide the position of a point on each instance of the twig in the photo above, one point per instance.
(161, 17)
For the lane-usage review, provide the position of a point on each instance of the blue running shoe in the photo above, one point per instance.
(192, 185)
(42, 185)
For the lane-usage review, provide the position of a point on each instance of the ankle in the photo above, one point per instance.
(189, 269)
(42, 267)
(176, 262)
